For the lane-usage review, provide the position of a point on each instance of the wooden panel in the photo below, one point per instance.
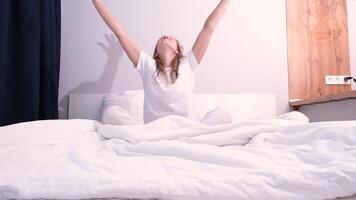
(323, 99)
(317, 46)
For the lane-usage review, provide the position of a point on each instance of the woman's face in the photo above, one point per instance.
(167, 44)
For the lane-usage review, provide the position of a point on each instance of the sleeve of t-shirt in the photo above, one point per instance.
(191, 59)
(145, 64)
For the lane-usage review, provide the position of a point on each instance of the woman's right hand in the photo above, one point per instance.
(130, 47)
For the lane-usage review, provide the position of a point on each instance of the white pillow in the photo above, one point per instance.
(116, 115)
(294, 116)
(135, 100)
(217, 116)
(200, 108)
(128, 106)
(239, 109)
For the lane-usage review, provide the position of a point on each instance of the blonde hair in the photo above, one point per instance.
(175, 63)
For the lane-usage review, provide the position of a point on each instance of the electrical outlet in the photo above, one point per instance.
(337, 80)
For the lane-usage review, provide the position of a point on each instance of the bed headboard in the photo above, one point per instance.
(88, 106)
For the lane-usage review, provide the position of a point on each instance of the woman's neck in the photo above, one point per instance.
(167, 59)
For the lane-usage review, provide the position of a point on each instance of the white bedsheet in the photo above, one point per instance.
(284, 160)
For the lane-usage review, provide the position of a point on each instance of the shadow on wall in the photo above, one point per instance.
(114, 52)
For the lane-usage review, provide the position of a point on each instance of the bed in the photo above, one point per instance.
(264, 157)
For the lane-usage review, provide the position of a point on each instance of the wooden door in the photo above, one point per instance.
(317, 46)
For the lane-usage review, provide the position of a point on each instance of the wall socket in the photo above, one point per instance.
(337, 80)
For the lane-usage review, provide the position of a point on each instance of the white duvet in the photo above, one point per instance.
(175, 158)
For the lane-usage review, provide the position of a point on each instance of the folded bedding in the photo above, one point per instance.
(175, 158)
(177, 127)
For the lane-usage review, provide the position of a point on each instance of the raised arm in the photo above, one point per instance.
(202, 42)
(130, 47)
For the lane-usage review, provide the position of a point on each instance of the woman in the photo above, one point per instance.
(168, 77)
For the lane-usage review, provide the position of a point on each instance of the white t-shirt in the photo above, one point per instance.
(161, 97)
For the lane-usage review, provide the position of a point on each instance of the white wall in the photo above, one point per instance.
(248, 52)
